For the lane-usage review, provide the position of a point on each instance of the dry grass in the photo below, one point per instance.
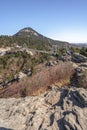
(62, 83)
(59, 75)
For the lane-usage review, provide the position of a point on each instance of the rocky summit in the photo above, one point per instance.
(58, 109)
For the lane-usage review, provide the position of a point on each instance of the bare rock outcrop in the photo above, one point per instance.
(80, 76)
(78, 58)
(58, 109)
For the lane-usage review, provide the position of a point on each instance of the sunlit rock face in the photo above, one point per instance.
(58, 109)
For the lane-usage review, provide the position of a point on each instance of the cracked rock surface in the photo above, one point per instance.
(58, 109)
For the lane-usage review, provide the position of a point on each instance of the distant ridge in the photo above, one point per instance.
(32, 34)
(79, 44)
(28, 37)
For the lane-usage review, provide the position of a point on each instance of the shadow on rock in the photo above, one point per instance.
(2, 128)
(69, 121)
(63, 95)
(77, 99)
(61, 124)
(73, 97)
(73, 113)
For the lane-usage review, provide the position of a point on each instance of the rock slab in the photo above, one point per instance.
(58, 109)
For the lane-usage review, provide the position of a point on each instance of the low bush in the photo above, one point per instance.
(40, 82)
(57, 74)
(83, 51)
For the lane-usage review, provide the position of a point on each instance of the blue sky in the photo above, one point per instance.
(58, 19)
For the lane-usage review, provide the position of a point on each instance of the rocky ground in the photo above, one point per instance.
(58, 109)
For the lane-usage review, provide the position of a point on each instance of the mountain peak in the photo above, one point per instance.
(38, 40)
(27, 32)
(27, 29)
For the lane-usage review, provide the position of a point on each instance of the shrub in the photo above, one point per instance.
(40, 82)
(47, 77)
(83, 51)
(61, 52)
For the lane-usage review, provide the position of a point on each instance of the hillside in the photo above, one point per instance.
(32, 34)
(43, 85)
(28, 37)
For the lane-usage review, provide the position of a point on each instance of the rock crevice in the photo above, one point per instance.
(58, 109)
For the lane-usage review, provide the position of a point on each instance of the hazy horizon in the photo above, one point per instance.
(56, 19)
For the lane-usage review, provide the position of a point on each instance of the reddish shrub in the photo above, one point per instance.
(49, 76)
(39, 82)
